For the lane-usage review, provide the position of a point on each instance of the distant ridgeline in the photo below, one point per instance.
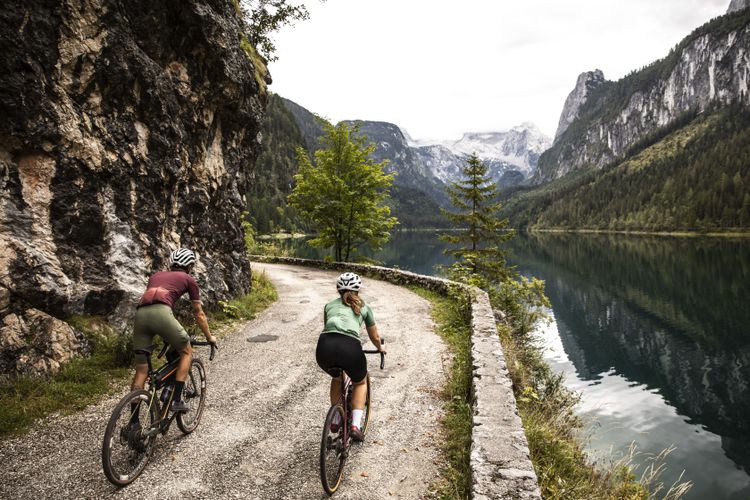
(423, 168)
(665, 148)
(289, 126)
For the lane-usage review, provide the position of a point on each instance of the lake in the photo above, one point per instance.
(653, 331)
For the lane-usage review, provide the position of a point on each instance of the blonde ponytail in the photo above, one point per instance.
(353, 300)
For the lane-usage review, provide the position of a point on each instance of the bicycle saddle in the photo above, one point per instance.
(334, 371)
(146, 350)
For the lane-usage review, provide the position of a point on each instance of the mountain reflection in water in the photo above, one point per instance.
(668, 317)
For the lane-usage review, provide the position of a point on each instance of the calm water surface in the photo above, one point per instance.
(653, 331)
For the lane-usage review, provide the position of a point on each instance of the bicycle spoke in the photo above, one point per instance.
(126, 448)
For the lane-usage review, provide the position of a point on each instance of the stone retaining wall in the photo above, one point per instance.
(500, 463)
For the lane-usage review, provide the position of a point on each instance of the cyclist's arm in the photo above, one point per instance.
(372, 332)
(200, 318)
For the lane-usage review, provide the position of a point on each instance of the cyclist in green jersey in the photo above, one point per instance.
(339, 345)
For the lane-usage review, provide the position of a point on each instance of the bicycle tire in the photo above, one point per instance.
(126, 453)
(194, 395)
(333, 451)
(366, 413)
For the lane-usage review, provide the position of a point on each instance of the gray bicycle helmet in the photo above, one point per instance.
(182, 257)
(348, 281)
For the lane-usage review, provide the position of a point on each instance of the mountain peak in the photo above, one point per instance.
(585, 84)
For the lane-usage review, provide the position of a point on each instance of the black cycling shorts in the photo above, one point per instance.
(336, 350)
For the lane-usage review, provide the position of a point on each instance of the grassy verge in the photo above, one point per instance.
(245, 308)
(78, 384)
(83, 381)
(552, 428)
(452, 316)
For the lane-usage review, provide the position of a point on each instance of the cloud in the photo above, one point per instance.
(440, 68)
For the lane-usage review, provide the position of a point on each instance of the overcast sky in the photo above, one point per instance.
(439, 68)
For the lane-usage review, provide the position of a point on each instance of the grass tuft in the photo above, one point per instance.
(452, 316)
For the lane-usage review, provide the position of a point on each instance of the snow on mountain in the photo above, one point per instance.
(516, 149)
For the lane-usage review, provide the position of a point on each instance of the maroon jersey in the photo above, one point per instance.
(167, 286)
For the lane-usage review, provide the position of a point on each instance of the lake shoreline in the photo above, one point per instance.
(678, 234)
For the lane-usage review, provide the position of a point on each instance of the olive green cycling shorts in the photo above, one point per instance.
(157, 319)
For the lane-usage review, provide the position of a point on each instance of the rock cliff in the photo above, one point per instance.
(588, 81)
(711, 67)
(128, 130)
(736, 5)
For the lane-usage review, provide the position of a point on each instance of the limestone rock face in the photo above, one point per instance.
(710, 68)
(736, 5)
(586, 82)
(129, 128)
(35, 343)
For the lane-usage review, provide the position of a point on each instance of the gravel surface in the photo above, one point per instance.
(265, 406)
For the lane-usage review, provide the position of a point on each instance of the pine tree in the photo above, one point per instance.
(344, 193)
(480, 230)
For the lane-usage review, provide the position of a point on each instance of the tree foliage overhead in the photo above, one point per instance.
(263, 17)
(481, 230)
(344, 193)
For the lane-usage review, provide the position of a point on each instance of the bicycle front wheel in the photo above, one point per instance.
(129, 438)
(194, 395)
(333, 450)
(366, 412)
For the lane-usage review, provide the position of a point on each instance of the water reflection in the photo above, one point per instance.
(656, 331)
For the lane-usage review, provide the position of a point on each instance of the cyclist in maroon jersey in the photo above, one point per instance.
(154, 317)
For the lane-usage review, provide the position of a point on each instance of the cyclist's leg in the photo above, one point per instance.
(327, 357)
(336, 388)
(142, 338)
(175, 335)
(359, 394)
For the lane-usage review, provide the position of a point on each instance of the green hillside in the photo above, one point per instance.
(607, 101)
(273, 175)
(286, 127)
(694, 176)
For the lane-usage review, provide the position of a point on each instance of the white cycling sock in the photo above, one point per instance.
(337, 418)
(357, 418)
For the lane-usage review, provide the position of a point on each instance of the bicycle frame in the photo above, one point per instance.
(158, 379)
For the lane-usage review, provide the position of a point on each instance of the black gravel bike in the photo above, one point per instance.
(127, 446)
(336, 441)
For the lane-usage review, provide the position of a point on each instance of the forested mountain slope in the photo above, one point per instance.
(709, 67)
(666, 148)
(288, 126)
(696, 178)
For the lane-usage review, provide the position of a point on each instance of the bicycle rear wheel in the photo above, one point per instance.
(366, 413)
(194, 395)
(333, 450)
(126, 448)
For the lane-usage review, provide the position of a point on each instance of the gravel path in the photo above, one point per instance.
(260, 433)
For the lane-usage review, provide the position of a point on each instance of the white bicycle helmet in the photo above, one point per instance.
(182, 257)
(348, 281)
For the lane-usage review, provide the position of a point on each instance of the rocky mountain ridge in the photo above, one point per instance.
(709, 68)
(587, 82)
(128, 130)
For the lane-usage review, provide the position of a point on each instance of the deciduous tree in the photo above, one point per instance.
(344, 193)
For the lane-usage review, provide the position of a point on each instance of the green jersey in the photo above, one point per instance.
(340, 318)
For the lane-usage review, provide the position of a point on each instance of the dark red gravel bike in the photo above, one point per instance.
(336, 441)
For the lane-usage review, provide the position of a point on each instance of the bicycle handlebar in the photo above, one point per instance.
(214, 348)
(375, 351)
(192, 342)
